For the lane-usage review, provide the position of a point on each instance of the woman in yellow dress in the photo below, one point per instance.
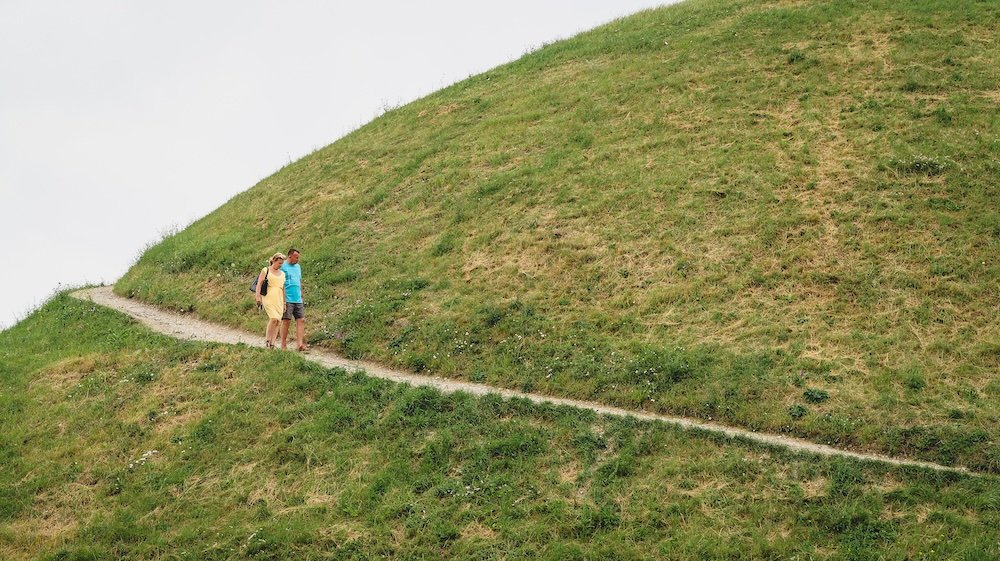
(274, 301)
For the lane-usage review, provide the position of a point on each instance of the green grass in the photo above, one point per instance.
(704, 209)
(261, 455)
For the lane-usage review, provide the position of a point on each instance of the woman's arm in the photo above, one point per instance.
(260, 281)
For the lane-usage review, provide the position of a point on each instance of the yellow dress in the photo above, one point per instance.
(274, 300)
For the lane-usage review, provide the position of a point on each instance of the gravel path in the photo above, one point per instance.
(187, 327)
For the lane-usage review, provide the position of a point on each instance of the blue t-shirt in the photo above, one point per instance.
(293, 282)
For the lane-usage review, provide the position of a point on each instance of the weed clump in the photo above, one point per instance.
(797, 411)
(915, 381)
(814, 395)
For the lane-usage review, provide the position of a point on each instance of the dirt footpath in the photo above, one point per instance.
(187, 327)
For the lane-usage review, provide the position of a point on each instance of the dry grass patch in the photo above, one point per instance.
(993, 95)
(815, 488)
(56, 514)
(477, 531)
(448, 108)
(68, 372)
(569, 472)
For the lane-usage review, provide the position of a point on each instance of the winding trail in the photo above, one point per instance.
(187, 327)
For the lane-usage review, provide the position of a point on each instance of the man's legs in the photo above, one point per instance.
(300, 333)
(285, 323)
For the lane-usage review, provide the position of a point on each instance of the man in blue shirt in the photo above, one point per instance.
(294, 305)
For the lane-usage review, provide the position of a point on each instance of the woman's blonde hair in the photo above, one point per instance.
(277, 256)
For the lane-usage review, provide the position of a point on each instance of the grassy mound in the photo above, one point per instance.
(121, 444)
(777, 214)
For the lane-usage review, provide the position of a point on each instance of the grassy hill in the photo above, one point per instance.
(122, 444)
(778, 214)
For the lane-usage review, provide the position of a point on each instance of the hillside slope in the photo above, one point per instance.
(122, 444)
(779, 214)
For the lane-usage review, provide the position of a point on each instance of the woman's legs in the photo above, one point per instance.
(272, 331)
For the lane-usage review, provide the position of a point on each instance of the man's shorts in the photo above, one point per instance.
(295, 310)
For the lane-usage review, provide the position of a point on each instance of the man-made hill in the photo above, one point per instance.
(121, 444)
(778, 214)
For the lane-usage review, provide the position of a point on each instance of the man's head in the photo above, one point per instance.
(293, 255)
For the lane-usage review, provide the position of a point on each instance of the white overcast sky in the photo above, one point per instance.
(121, 119)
